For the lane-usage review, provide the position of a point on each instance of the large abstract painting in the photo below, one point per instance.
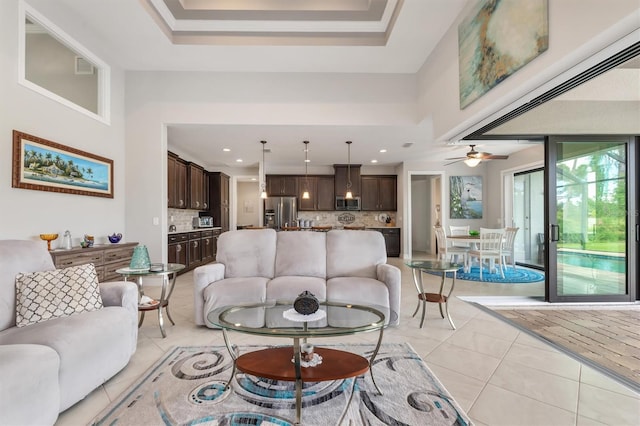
(496, 39)
(465, 197)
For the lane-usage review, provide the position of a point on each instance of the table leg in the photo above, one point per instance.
(141, 293)
(172, 286)
(424, 299)
(165, 280)
(298, 368)
(446, 303)
(233, 352)
(444, 276)
(418, 289)
(373, 357)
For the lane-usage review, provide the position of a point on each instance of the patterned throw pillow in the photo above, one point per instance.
(41, 296)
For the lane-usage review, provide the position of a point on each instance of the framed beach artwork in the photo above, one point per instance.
(465, 197)
(497, 38)
(49, 166)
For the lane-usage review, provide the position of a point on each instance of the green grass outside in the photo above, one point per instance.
(604, 246)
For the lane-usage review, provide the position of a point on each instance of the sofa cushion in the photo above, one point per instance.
(43, 295)
(302, 254)
(354, 253)
(18, 256)
(289, 287)
(247, 253)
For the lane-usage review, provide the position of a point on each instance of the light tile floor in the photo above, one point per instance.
(498, 374)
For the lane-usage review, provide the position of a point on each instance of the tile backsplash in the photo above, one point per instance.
(338, 219)
(182, 219)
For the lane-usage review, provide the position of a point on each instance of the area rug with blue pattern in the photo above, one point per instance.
(520, 275)
(187, 387)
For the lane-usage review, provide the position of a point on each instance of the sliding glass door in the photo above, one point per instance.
(591, 228)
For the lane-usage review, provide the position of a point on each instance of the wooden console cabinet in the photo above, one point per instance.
(106, 258)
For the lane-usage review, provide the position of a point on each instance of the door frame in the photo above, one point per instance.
(408, 246)
(633, 224)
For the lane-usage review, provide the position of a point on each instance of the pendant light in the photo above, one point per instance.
(305, 194)
(263, 193)
(472, 162)
(348, 195)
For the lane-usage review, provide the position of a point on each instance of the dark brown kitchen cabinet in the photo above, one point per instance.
(219, 199)
(391, 240)
(207, 246)
(342, 174)
(176, 181)
(321, 193)
(195, 174)
(195, 249)
(379, 193)
(178, 248)
(282, 185)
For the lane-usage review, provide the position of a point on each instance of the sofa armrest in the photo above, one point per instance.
(125, 294)
(390, 275)
(19, 404)
(202, 277)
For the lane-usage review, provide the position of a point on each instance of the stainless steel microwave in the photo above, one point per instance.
(343, 203)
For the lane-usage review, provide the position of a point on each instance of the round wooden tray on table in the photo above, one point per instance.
(322, 228)
(275, 364)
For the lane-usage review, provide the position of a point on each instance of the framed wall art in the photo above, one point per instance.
(44, 165)
(465, 197)
(497, 38)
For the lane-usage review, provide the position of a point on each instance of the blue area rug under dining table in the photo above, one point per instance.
(520, 275)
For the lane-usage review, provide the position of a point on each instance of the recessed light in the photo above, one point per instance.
(307, 161)
(226, 149)
(383, 150)
(239, 160)
(374, 161)
(253, 179)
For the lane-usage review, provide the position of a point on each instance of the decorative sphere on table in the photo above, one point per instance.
(306, 303)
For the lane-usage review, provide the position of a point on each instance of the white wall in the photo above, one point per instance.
(248, 203)
(27, 213)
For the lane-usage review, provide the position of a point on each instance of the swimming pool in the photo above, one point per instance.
(599, 261)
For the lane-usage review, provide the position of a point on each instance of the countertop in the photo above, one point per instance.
(195, 230)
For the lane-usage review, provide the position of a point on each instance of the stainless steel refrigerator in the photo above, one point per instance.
(280, 211)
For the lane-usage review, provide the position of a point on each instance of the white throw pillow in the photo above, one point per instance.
(41, 296)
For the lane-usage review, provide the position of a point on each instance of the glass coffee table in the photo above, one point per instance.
(284, 363)
(437, 266)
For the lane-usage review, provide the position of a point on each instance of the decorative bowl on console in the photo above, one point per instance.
(115, 238)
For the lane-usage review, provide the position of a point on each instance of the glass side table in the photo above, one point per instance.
(169, 273)
(438, 266)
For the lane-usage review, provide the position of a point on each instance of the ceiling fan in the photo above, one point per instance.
(473, 157)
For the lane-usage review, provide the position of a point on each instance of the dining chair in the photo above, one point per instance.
(489, 248)
(508, 247)
(448, 252)
(459, 230)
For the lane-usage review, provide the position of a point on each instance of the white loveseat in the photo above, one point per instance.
(48, 366)
(254, 266)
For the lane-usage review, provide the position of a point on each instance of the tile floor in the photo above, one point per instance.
(498, 374)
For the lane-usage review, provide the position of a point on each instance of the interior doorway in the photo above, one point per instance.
(425, 207)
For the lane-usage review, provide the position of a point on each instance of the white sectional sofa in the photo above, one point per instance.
(48, 366)
(253, 266)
